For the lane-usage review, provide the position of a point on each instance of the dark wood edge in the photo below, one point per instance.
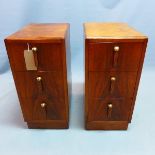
(14, 77)
(86, 81)
(56, 40)
(97, 40)
(138, 78)
(65, 76)
(48, 125)
(107, 125)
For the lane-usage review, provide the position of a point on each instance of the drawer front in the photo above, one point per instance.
(43, 108)
(113, 84)
(41, 95)
(108, 109)
(114, 56)
(47, 55)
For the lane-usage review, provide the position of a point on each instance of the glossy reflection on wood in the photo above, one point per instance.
(44, 93)
(114, 54)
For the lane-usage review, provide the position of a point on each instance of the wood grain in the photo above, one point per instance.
(100, 40)
(111, 30)
(40, 32)
(46, 52)
(53, 51)
(101, 56)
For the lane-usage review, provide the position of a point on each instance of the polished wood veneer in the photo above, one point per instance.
(114, 55)
(44, 94)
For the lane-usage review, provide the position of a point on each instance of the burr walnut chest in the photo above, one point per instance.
(114, 55)
(39, 56)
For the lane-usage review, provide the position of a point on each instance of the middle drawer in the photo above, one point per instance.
(112, 84)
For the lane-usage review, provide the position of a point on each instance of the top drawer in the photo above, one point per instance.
(114, 56)
(48, 55)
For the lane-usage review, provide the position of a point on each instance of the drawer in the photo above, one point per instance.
(33, 84)
(114, 56)
(41, 95)
(43, 108)
(108, 109)
(47, 55)
(115, 84)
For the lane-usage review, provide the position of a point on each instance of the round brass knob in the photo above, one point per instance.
(116, 48)
(34, 49)
(113, 78)
(39, 78)
(109, 105)
(43, 105)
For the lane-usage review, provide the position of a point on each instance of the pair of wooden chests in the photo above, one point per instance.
(40, 61)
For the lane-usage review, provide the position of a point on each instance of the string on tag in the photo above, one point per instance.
(28, 47)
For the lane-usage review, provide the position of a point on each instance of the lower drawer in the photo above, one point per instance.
(109, 109)
(43, 108)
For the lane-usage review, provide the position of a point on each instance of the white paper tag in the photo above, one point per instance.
(29, 60)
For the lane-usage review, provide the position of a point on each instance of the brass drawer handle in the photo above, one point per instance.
(40, 84)
(110, 106)
(113, 78)
(39, 78)
(43, 105)
(115, 56)
(112, 84)
(116, 48)
(34, 49)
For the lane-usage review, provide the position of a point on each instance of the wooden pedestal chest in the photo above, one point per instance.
(39, 56)
(114, 55)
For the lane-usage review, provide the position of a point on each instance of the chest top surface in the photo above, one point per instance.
(46, 31)
(111, 31)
